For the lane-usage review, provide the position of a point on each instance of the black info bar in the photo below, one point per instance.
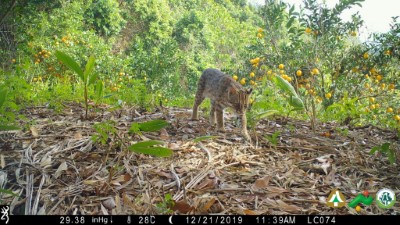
(200, 219)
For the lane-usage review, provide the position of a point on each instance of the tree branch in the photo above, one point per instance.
(8, 11)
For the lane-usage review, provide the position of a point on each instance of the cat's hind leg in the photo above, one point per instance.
(212, 113)
(197, 101)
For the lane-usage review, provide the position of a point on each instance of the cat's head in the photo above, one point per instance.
(239, 99)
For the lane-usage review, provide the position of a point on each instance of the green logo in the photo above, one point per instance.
(364, 198)
(385, 198)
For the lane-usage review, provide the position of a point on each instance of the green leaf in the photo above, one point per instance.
(147, 147)
(391, 156)
(8, 192)
(266, 114)
(374, 149)
(99, 88)
(285, 85)
(93, 78)
(88, 69)
(134, 129)
(70, 63)
(273, 139)
(7, 128)
(153, 125)
(145, 144)
(296, 102)
(290, 23)
(385, 147)
(3, 93)
(202, 138)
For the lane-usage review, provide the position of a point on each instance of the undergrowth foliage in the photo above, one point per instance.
(307, 63)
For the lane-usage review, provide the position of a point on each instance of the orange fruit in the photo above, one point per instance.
(299, 73)
(372, 99)
(281, 66)
(328, 95)
(235, 77)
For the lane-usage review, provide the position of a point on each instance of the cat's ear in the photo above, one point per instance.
(249, 91)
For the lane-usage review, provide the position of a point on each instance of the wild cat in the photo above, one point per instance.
(223, 91)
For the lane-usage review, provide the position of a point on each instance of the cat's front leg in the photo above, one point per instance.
(198, 100)
(220, 120)
(244, 127)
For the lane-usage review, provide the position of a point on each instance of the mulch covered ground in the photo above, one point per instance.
(54, 167)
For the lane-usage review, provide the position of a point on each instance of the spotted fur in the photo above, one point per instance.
(223, 91)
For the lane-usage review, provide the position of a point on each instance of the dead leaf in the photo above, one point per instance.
(277, 190)
(103, 209)
(45, 161)
(250, 212)
(118, 206)
(173, 146)
(127, 177)
(166, 174)
(208, 184)
(286, 207)
(34, 131)
(244, 198)
(109, 203)
(164, 134)
(182, 207)
(261, 183)
(2, 161)
(90, 182)
(63, 166)
(180, 170)
(208, 205)
(121, 179)
(116, 183)
(127, 200)
(78, 135)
